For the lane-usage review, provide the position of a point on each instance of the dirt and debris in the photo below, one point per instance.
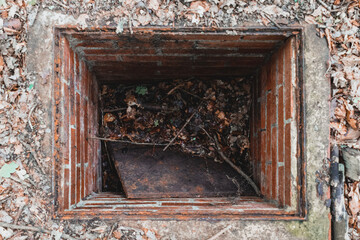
(180, 115)
(26, 194)
(352, 197)
(186, 111)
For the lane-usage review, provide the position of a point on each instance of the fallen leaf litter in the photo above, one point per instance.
(183, 115)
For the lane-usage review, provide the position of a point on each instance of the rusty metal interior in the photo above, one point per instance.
(148, 55)
(153, 56)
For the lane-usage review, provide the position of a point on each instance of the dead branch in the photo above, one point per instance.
(128, 142)
(187, 92)
(187, 122)
(4, 199)
(206, 132)
(220, 233)
(177, 134)
(20, 181)
(174, 88)
(34, 155)
(114, 110)
(273, 21)
(108, 156)
(227, 160)
(150, 107)
(324, 5)
(61, 4)
(111, 231)
(18, 214)
(32, 229)
(10, 31)
(29, 116)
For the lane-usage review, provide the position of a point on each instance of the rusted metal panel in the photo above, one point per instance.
(184, 48)
(149, 172)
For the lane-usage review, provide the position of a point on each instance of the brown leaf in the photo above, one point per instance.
(354, 200)
(13, 24)
(351, 134)
(310, 19)
(210, 106)
(349, 118)
(200, 6)
(341, 128)
(352, 122)
(1, 64)
(130, 112)
(153, 4)
(138, 125)
(131, 100)
(109, 117)
(220, 114)
(117, 234)
(340, 112)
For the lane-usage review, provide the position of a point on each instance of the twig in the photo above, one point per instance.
(220, 233)
(33, 229)
(234, 181)
(61, 4)
(187, 121)
(145, 106)
(108, 156)
(18, 214)
(128, 142)
(113, 110)
(183, 90)
(174, 88)
(177, 134)
(4, 199)
(324, 5)
(29, 116)
(328, 39)
(111, 231)
(206, 132)
(34, 155)
(31, 181)
(19, 181)
(130, 24)
(276, 24)
(10, 31)
(244, 175)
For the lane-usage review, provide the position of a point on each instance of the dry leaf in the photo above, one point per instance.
(117, 234)
(99, 229)
(310, 19)
(341, 128)
(220, 114)
(200, 7)
(354, 200)
(340, 112)
(131, 100)
(1, 64)
(153, 4)
(109, 117)
(350, 135)
(18, 149)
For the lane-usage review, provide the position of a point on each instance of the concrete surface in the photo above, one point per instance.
(317, 87)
